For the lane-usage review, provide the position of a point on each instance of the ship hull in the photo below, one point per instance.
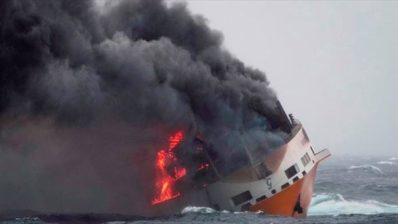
(285, 190)
(279, 183)
(293, 201)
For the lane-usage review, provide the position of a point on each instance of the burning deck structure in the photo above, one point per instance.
(277, 181)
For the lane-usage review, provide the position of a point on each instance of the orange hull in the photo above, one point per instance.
(292, 201)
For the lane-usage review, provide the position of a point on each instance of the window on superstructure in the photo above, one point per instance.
(261, 198)
(242, 197)
(305, 159)
(291, 171)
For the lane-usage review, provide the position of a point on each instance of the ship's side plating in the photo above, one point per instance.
(280, 184)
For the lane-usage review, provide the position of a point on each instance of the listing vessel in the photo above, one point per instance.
(280, 182)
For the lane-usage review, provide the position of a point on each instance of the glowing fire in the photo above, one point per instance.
(165, 179)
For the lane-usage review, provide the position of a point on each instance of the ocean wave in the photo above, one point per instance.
(393, 158)
(366, 168)
(194, 209)
(335, 204)
(386, 162)
(207, 210)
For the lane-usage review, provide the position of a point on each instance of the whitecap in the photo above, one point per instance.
(195, 209)
(336, 204)
(393, 158)
(386, 162)
(367, 168)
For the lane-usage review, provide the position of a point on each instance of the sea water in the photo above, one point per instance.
(347, 190)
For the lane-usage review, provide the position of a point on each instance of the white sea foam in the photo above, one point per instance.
(335, 204)
(393, 158)
(194, 209)
(367, 168)
(386, 162)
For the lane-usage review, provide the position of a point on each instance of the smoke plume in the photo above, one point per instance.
(88, 95)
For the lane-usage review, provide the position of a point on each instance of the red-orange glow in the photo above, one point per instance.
(164, 180)
(175, 139)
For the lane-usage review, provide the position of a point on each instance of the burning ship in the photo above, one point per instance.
(125, 74)
(280, 182)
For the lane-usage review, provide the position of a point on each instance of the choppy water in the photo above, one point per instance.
(348, 190)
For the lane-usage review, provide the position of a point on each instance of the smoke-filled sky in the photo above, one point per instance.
(333, 64)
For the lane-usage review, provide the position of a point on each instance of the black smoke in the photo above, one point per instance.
(88, 94)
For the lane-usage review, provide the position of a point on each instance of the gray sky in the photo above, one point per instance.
(334, 64)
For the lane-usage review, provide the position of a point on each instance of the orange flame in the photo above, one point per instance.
(164, 181)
